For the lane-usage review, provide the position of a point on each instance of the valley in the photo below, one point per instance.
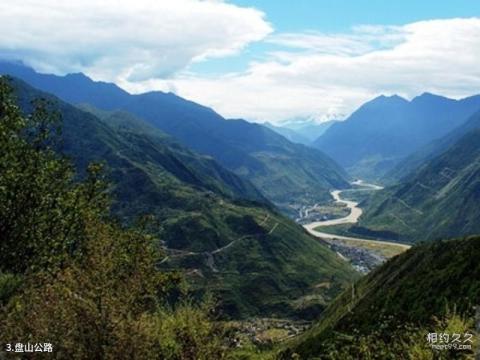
(208, 222)
(365, 254)
(267, 238)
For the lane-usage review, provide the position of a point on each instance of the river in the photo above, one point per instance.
(351, 218)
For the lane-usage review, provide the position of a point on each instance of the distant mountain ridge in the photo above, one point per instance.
(191, 168)
(309, 129)
(385, 130)
(408, 166)
(285, 172)
(289, 134)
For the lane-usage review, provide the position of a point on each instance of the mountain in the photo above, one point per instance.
(385, 130)
(143, 143)
(309, 129)
(289, 134)
(210, 222)
(388, 313)
(438, 200)
(429, 151)
(286, 173)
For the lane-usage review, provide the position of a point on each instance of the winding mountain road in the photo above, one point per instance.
(209, 254)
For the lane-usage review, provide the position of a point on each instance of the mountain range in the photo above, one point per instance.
(382, 132)
(407, 166)
(210, 222)
(286, 173)
(288, 133)
(213, 188)
(302, 131)
(439, 199)
(309, 128)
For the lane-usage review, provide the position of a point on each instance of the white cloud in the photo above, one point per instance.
(362, 40)
(147, 44)
(335, 73)
(124, 39)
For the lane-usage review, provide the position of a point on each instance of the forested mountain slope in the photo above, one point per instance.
(439, 200)
(285, 172)
(203, 216)
(408, 166)
(388, 314)
(382, 132)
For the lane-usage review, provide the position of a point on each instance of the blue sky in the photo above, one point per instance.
(333, 16)
(262, 60)
(341, 15)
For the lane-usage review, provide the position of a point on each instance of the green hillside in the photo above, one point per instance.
(199, 207)
(285, 172)
(388, 313)
(408, 166)
(439, 200)
(72, 276)
(385, 130)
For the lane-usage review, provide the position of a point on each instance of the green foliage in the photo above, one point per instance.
(200, 207)
(38, 197)
(72, 277)
(261, 271)
(389, 342)
(393, 308)
(438, 200)
(282, 170)
(109, 303)
(9, 284)
(92, 288)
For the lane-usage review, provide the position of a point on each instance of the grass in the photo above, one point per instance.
(404, 297)
(386, 249)
(198, 206)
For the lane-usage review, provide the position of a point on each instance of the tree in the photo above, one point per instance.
(41, 206)
(71, 276)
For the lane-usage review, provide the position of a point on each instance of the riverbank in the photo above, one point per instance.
(365, 253)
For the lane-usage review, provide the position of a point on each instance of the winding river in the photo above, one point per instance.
(352, 218)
